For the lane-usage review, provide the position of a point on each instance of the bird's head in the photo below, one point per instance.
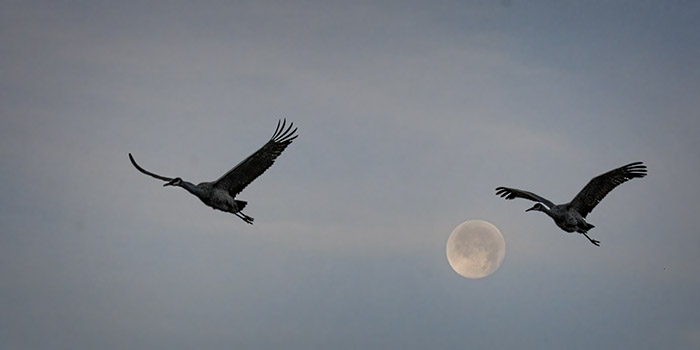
(537, 207)
(174, 182)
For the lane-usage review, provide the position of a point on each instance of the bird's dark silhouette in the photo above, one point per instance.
(221, 194)
(571, 217)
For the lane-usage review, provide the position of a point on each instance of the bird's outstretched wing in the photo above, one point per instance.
(601, 185)
(139, 168)
(512, 193)
(236, 179)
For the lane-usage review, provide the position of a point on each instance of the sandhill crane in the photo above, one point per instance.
(220, 194)
(570, 217)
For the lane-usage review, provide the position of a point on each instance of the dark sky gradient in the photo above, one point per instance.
(410, 113)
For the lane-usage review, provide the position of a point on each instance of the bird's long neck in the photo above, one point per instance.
(544, 209)
(191, 188)
(547, 211)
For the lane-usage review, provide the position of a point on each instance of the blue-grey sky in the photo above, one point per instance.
(410, 113)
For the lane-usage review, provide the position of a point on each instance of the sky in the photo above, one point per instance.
(410, 113)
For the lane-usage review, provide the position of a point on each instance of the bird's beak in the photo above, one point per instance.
(533, 208)
(170, 183)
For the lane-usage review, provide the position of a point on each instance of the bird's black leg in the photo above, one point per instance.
(244, 217)
(595, 242)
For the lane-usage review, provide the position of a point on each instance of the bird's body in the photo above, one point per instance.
(571, 217)
(567, 219)
(221, 194)
(214, 197)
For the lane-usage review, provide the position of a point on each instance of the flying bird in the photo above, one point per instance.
(571, 217)
(221, 194)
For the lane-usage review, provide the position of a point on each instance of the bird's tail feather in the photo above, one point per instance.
(584, 227)
(241, 204)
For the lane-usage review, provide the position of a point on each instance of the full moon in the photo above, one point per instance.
(476, 249)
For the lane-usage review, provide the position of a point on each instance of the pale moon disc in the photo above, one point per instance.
(476, 249)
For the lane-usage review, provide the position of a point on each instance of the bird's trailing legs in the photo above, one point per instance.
(244, 217)
(595, 242)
